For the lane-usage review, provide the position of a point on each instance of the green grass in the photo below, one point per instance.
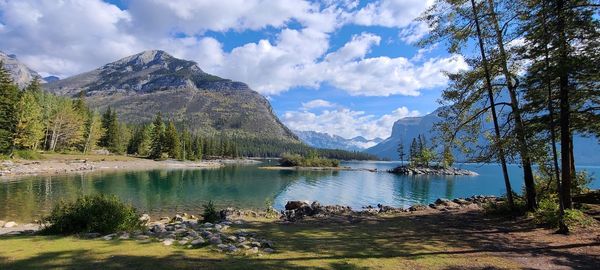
(386, 243)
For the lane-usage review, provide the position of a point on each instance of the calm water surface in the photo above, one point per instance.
(162, 192)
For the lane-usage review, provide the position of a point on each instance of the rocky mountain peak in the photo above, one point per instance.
(20, 73)
(144, 72)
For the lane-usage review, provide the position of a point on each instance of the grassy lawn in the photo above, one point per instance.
(425, 241)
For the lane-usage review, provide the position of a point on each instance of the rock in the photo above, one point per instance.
(268, 250)
(441, 201)
(208, 224)
(124, 236)
(232, 238)
(145, 218)
(255, 244)
(253, 250)
(215, 240)
(183, 242)
(158, 228)
(142, 237)
(266, 244)
(109, 236)
(197, 242)
(2, 222)
(177, 218)
(168, 241)
(417, 207)
(293, 205)
(10, 224)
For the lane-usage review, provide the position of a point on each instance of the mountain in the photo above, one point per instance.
(585, 149)
(19, 72)
(141, 85)
(328, 141)
(404, 130)
(51, 79)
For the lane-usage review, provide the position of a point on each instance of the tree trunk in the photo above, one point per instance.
(519, 126)
(488, 81)
(565, 110)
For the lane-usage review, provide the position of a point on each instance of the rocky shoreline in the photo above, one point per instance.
(228, 235)
(435, 170)
(10, 168)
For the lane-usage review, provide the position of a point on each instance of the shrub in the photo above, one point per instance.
(96, 213)
(27, 154)
(210, 213)
(548, 214)
(503, 208)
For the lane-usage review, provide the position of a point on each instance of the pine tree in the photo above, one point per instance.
(9, 98)
(413, 159)
(172, 143)
(158, 134)
(401, 151)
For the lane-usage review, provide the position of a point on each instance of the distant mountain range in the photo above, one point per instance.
(139, 86)
(585, 149)
(328, 141)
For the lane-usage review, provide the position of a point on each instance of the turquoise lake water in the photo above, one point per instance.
(163, 192)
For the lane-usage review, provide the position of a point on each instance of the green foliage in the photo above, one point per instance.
(548, 214)
(172, 143)
(295, 160)
(27, 154)
(158, 133)
(210, 213)
(97, 213)
(504, 209)
(9, 97)
(29, 129)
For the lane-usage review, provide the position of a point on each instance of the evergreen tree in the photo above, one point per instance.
(413, 152)
(9, 98)
(158, 134)
(400, 151)
(172, 143)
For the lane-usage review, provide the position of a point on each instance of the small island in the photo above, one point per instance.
(421, 157)
(312, 162)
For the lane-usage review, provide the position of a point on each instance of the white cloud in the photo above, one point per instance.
(317, 103)
(391, 13)
(68, 37)
(345, 122)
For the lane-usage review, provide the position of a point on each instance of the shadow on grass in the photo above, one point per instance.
(424, 239)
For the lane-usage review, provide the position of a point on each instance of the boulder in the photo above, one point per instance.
(145, 218)
(293, 205)
(10, 224)
(168, 241)
(197, 242)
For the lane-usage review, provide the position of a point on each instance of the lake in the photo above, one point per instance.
(163, 192)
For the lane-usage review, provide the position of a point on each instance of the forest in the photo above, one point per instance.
(34, 120)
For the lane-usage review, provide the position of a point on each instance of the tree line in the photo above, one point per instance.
(35, 120)
(533, 74)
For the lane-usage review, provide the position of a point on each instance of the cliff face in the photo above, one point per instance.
(20, 73)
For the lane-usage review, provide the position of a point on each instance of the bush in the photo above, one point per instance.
(503, 209)
(548, 214)
(27, 154)
(97, 213)
(210, 213)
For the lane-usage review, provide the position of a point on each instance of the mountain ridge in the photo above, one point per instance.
(140, 85)
(329, 141)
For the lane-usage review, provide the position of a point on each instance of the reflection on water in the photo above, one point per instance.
(162, 192)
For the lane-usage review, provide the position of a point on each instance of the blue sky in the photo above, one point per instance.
(341, 67)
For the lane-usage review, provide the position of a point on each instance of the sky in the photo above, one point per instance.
(345, 67)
